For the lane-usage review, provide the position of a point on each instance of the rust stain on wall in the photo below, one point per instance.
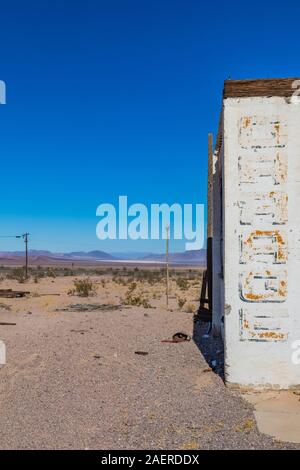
(255, 329)
(257, 168)
(263, 286)
(263, 246)
(263, 207)
(262, 131)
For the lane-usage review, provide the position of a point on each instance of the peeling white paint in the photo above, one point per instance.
(260, 225)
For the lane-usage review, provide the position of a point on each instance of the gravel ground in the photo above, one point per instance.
(73, 381)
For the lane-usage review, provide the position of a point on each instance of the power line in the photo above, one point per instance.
(167, 265)
(25, 237)
(10, 236)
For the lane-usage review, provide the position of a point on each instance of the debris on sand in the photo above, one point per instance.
(5, 306)
(141, 353)
(88, 307)
(46, 295)
(10, 294)
(177, 338)
(4, 323)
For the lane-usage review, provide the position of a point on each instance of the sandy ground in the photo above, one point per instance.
(73, 381)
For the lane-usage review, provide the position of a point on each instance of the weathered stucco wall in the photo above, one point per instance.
(261, 230)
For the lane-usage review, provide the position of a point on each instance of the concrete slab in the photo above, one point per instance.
(277, 414)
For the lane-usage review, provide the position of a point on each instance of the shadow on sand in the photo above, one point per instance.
(211, 348)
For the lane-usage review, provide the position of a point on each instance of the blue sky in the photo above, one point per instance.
(109, 98)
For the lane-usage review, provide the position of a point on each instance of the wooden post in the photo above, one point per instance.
(167, 265)
(25, 236)
(205, 313)
(209, 253)
(210, 188)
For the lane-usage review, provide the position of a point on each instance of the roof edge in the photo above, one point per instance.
(282, 87)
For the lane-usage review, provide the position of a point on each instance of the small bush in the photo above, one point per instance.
(132, 287)
(190, 308)
(182, 284)
(181, 302)
(17, 274)
(135, 300)
(84, 287)
(51, 273)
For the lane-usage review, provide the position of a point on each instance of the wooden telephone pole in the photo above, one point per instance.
(210, 219)
(205, 308)
(167, 265)
(25, 238)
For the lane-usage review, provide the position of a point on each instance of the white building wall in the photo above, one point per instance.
(261, 229)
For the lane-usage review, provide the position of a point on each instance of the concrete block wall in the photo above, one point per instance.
(257, 241)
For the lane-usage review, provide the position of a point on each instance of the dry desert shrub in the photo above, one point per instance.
(182, 284)
(118, 280)
(157, 295)
(181, 302)
(246, 426)
(136, 300)
(51, 273)
(17, 274)
(132, 287)
(83, 288)
(190, 308)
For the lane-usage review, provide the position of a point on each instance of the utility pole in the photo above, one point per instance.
(25, 238)
(205, 313)
(167, 265)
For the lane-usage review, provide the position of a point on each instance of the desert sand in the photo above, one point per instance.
(73, 379)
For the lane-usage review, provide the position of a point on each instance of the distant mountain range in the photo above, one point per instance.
(195, 257)
(192, 256)
(75, 255)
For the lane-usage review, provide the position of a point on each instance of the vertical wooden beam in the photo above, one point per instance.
(209, 253)
(25, 237)
(210, 188)
(205, 313)
(167, 265)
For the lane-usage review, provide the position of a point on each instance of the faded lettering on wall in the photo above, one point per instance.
(263, 208)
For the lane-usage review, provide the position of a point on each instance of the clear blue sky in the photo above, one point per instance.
(116, 97)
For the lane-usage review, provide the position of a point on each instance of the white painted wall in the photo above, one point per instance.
(261, 229)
